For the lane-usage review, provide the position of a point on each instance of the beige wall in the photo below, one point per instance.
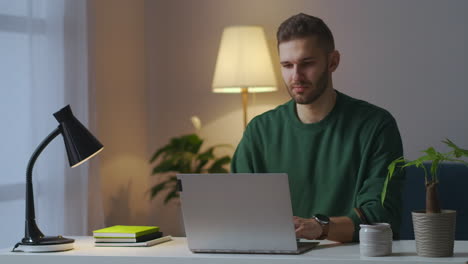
(118, 63)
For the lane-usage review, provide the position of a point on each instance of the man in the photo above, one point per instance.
(335, 148)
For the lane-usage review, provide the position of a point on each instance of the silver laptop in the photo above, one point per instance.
(239, 213)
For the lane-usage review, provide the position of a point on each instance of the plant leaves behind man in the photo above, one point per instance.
(181, 155)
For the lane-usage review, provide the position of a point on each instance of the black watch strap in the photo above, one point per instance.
(324, 221)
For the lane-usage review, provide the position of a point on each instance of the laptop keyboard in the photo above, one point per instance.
(301, 248)
(306, 246)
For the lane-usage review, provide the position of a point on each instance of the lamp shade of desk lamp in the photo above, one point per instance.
(244, 64)
(80, 145)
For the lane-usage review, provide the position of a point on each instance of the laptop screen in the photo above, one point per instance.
(237, 212)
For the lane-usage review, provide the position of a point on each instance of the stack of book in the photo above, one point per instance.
(129, 236)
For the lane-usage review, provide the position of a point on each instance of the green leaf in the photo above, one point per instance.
(459, 152)
(223, 146)
(384, 190)
(418, 163)
(431, 153)
(157, 188)
(217, 166)
(203, 159)
(171, 195)
(188, 143)
(206, 156)
(166, 166)
(391, 171)
(168, 183)
(201, 164)
(159, 152)
(178, 161)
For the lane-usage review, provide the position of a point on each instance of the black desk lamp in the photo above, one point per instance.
(81, 145)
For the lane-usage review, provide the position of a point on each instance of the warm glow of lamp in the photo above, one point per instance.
(244, 64)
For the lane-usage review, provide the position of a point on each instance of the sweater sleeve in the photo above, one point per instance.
(248, 157)
(384, 148)
(243, 156)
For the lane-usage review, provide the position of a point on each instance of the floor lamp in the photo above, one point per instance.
(244, 64)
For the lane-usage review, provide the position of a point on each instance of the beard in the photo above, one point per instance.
(312, 92)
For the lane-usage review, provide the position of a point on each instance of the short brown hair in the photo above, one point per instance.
(301, 26)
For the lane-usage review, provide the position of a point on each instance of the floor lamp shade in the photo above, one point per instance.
(80, 144)
(244, 62)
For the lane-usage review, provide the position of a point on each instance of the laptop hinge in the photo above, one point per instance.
(179, 185)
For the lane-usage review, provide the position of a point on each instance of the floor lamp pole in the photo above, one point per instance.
(245, 97)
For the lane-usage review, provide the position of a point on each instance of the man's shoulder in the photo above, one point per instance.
(273, 116)
(362, 109)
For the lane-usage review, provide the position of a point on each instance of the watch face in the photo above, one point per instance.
(323, 218)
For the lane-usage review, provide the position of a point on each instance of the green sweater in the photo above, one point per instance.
(334, 165)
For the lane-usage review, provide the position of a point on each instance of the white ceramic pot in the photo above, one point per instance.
(434, 233)
(375, 240)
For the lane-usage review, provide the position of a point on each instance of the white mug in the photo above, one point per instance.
(375, 240)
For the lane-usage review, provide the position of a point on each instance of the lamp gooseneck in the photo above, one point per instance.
(32, 232)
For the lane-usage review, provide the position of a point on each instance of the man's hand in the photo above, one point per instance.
(307, 228)
(341, 228)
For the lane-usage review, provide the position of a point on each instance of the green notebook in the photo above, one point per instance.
(122, 231)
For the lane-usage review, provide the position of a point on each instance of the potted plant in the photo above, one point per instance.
(434, 228)
(183, 155)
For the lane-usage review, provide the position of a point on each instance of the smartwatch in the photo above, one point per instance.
(324, 221)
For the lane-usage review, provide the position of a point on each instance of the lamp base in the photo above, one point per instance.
(47, 244)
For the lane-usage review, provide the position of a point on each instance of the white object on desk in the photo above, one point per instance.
(375, 240)
(45, 248)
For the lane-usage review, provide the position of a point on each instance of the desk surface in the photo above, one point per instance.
(176, 251)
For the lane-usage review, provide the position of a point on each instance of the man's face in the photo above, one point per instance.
(304, 66)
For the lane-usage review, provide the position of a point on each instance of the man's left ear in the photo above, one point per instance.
(334, 60)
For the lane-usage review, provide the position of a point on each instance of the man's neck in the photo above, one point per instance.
(318, 110)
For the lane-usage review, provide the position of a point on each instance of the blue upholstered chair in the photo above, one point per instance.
(453, 194)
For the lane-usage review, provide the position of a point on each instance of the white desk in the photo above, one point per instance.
(176, 251)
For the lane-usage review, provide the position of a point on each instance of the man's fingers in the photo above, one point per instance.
(299, 231)
(305, 228)
(299, 226)
(297, 220)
